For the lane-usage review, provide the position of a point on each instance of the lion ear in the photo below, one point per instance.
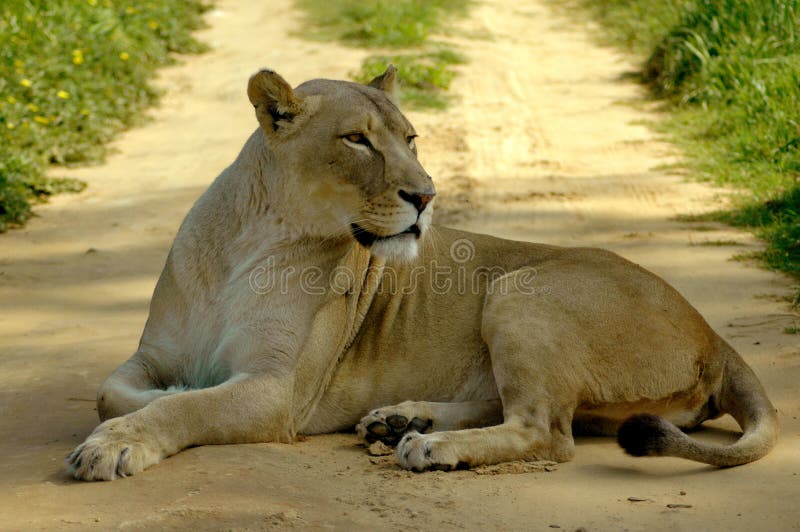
(386, 81)
(275, 102)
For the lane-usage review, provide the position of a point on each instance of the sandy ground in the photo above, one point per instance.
(543, 145)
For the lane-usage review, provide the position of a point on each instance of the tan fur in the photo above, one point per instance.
(270, 320)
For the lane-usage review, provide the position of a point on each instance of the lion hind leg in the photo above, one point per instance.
(538, 385)
(390, 423)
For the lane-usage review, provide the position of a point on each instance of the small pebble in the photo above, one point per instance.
(379, 449)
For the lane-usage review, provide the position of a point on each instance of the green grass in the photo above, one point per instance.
(382, 23)
(73, 73)
(729, 72)
(403, 29)
(424, 77)
(716, 243)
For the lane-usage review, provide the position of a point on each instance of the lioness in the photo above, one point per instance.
(306, 288)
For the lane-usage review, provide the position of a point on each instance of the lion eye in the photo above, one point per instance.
(411, 143)
(357, 138)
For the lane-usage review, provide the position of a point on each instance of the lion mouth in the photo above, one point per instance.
(366, 238)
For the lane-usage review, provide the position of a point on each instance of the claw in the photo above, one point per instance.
(123, 460)
(71, 457)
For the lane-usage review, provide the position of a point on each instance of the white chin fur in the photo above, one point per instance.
(402, 248)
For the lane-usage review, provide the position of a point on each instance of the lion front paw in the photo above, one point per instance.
(421, 452)
(113, 450)
(389, 424)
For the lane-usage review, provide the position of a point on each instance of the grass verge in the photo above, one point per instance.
(73, 73)
(402, 28)
(729, 73)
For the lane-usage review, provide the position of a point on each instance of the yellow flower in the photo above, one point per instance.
(124, 56)
(18, 63)
(91, 2)
(77, 57)
(25, 83)
(10, 125)
(33, 108)
(85, 112)
(11, 99)
(41, 120)
(62, 94)
(152, 24)
(130, 10)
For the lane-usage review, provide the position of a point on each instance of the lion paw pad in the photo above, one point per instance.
(389, 429)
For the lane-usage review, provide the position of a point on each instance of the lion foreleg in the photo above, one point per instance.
(134, 385)
(244, 409)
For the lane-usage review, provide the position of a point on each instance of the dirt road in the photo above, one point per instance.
(541, 146)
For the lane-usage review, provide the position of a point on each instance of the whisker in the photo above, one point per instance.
(436, 238)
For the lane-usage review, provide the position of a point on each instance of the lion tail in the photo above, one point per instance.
(741, 395)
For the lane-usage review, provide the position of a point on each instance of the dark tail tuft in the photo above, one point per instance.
(644, 435)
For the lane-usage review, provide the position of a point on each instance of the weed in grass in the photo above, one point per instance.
(703, 228)
(15, 170)
(382, 23)
(73, 74)
(425, 77)
(777, 221)
(792, 330)
(425, 69)
(716, 243)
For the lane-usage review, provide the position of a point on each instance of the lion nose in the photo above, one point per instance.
(419, 201)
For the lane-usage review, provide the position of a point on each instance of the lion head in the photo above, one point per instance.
(346, 161)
